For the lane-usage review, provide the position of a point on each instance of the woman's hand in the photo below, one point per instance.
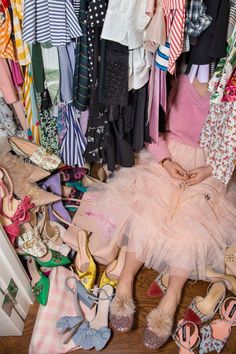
(175, 170)
(198, 175)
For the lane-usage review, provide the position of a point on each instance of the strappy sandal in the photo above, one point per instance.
(29, 243)
(159, 286)
(185, 340)
(228, 279)
(96, 333)
(68, 325)
(13, 212)
(202, 309)
(216, 334)
(51, 232)
(35, 154)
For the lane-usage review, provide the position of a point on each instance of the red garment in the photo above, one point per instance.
(5, 3)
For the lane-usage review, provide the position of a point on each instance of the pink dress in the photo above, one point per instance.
(168, 228)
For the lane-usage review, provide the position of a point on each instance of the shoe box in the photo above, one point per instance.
(15, 291)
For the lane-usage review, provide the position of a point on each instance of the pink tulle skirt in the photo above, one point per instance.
(167, 228)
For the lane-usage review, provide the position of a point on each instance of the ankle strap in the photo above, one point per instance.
(225, 312)
(195, 336)
(97, 299)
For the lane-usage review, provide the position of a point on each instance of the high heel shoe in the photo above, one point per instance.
(24, 177)
(96, 333)
(39, 282)
(159, 286)
(84, 263)
(202, 309)
(13, 212)
(69, 324)
(81, 291)
(229, 280)
(114, 269)
(53, 184)
(216, 334)
(185, 340)
(51, 232)
(29, 243)
(36, 154)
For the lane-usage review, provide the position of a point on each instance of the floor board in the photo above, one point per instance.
(127, 343)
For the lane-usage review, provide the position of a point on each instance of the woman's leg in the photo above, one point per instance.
(126, 279)
(160, 320)
(171, 299)
(122, 307)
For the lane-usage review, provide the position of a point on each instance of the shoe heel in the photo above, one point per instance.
(84, 296)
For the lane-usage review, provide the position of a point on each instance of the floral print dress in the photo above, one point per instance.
(219, 132)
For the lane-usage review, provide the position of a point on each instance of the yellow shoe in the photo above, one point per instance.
(113, 270)
(85, 265)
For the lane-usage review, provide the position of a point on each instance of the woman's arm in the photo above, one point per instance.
(162, 155)
(198, 175)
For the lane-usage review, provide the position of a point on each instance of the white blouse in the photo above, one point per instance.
(125, 21)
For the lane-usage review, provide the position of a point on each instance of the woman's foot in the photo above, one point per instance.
(122, 307)
(160, 321)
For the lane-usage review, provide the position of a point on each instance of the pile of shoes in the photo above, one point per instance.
(36, 192)
(95, 333)
(196, 329)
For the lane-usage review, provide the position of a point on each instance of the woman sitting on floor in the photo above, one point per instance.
(170, 212)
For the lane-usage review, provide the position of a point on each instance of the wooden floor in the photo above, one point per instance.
(123, 343)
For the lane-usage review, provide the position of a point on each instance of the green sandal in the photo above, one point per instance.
(40, 283)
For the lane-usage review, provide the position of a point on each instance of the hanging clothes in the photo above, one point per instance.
(48, 128)
(81, 75)
(155, 33)
(67, 67)
(50, 21)
(52, 71)
(211, 44)
(16, 74)
(197, 21)
(6, 44)
(157, 98)
(73, 144)
(223, 72)
(38, 68)
(115, 83)
(22, 49)
(29, 100)
(219, 133)
(120, 23)
(174, 12)
(232, 17)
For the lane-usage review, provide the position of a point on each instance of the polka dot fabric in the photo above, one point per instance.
(95, 19)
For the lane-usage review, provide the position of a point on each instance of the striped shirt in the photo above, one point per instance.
(51, 21)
